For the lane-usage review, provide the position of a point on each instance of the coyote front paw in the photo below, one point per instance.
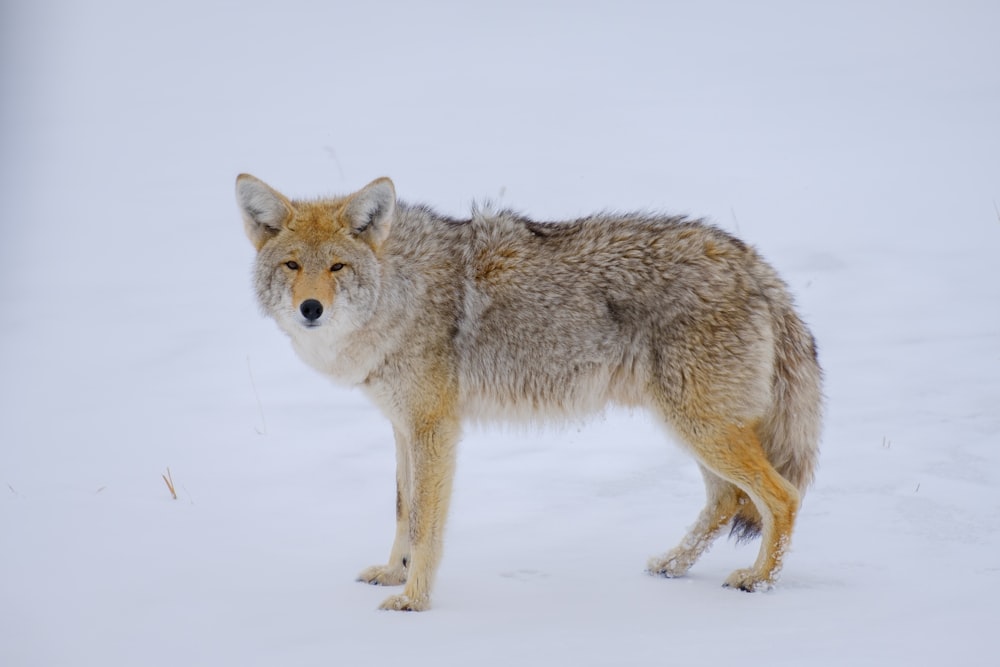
(748, 580)
(384, 575)
(405, 603)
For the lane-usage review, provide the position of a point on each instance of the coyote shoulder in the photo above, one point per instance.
(498, 316)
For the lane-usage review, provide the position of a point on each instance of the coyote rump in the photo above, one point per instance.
(501, 317)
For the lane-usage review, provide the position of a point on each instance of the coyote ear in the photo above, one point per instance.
(265, 210)
(370, 211)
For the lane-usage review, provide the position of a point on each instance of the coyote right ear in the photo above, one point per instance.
(265, 210)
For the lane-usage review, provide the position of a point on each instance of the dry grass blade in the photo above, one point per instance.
(170, 484)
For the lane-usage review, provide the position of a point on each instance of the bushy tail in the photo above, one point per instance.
(790, 430)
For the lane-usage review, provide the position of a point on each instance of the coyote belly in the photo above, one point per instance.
(498, 316)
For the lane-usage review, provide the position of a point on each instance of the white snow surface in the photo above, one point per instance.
(856, 144)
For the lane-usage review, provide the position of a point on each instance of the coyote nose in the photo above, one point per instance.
(311, 309)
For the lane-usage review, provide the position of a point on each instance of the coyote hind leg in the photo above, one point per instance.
(735, 454)
(722, 503)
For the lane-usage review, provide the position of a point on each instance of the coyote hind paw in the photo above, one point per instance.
(748, 580)
(673, 564)
(383, 575)
(404, 603)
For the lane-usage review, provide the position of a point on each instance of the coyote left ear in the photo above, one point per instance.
(370, 211)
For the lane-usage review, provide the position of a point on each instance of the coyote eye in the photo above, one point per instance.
(337, 267)
(294, 266)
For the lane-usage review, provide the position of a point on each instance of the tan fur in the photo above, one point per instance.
(502, 317)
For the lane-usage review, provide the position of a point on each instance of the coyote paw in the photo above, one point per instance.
(748, 580)
(383, 575)
(673, 564)
(404, 603)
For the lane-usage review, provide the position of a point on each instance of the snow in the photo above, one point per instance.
(855, 143)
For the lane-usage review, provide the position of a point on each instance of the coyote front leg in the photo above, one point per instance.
(432, 458)
(394, 572)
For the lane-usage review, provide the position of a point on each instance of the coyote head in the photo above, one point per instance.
(317, 261)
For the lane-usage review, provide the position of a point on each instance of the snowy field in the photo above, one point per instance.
(856, 144)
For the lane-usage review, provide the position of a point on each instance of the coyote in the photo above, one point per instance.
(440, 320)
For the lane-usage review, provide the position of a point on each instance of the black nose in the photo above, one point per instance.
(311, 309)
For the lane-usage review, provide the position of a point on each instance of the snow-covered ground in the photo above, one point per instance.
(857, 144)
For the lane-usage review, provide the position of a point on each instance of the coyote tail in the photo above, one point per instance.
(790, 430)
